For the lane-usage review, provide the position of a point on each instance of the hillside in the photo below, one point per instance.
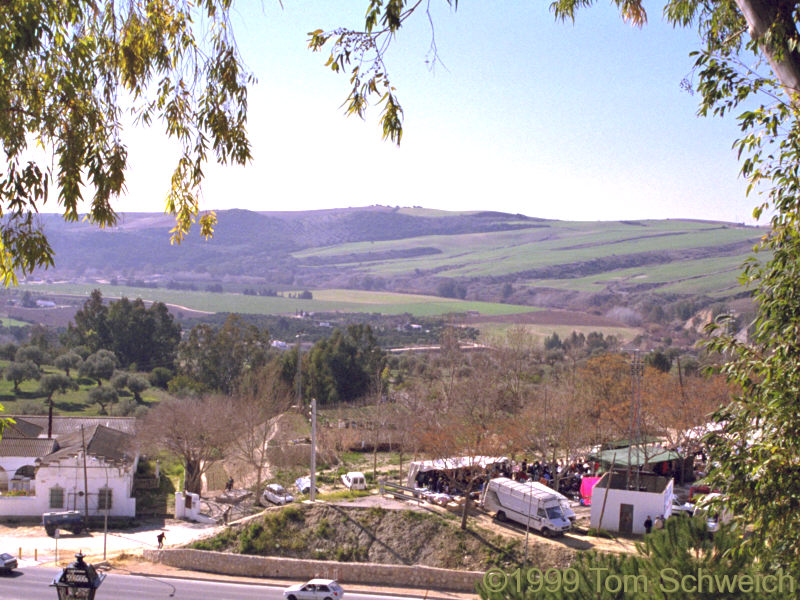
(485, 256)
(387, 536)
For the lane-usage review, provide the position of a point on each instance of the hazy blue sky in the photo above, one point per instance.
(526, 115)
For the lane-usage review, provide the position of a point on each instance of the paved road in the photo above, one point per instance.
(32, 583)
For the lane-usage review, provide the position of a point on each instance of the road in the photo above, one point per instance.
(32, 583)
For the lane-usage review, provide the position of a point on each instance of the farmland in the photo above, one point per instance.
(336, 300)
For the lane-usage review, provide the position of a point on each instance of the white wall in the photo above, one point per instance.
(68, 475)
(644, 504)
(12, 463)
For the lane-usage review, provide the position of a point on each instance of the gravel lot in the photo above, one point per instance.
(39, 548)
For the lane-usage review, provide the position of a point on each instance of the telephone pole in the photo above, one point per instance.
(313, 449)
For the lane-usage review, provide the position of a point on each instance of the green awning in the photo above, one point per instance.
(639, 456)
(617, 444)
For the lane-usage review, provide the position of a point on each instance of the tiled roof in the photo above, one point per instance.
(67, 425)
(101, 441)
(29, 447)
(22, 428)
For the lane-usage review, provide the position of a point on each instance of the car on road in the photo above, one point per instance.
(7, 563)
(354, 480)
(316, 589)
(277, 494)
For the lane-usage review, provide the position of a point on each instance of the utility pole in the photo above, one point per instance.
(85, 483)
(637, 369)
(313, 449)
(105, 517)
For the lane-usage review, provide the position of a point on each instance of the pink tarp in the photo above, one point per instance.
(587, 483)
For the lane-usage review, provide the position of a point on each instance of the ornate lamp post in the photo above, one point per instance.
(78, 580)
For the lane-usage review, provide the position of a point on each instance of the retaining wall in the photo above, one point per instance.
(295, 568)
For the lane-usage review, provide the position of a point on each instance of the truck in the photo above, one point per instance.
(528, 505)
(71, 520)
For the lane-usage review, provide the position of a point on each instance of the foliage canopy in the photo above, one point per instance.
(74, 75)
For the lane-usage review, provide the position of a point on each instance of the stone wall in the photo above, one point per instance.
(295, 568)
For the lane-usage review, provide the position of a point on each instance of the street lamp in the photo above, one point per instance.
(78, 580)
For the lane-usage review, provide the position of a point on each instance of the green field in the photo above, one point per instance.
(6, 322)
(490, 332)
(538, 246)
(324, 301)
(705, 276)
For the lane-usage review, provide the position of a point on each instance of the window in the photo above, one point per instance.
(104, 499)
(56, 497)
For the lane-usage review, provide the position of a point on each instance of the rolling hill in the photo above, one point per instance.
(481, 256)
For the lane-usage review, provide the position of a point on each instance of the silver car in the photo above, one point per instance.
(316, 589)
(7, 563)
(276, 494)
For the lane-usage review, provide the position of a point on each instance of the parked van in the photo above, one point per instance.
(522, 502)
(565, 507)
(354, 480)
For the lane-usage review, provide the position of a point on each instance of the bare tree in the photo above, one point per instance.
(251, 415)
(678, 406)
(408, 415)
(468, 423)
(192, 429)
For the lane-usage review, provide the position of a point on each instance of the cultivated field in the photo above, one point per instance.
(564, 255)
(324, 301)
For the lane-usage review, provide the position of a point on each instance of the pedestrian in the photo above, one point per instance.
(160, 537)
(229, 485)
(648, 524)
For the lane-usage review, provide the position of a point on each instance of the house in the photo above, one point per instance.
(623, 502)
(40, 474)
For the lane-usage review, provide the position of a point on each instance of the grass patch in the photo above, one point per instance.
(342, 495)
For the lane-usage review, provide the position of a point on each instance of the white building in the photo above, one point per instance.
(625, 507)
(39, 475)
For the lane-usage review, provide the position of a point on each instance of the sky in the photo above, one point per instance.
(523, 114)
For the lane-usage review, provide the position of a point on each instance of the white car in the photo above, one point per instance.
(316, 589)
(354, 480)
(276, 494)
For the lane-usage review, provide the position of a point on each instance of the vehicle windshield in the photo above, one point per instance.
(278, 489)
(554, 512)
(5, 556)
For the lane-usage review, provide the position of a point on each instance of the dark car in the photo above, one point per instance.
(7, 563)
(71, 520)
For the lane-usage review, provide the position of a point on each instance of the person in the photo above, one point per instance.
(648, 524)
(229, 485)
(160, 537)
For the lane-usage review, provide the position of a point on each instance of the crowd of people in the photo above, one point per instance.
(568, 477)
(454, 483)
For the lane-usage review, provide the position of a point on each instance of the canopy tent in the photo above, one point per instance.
(639, 456)
(451, 464)
(623, 444)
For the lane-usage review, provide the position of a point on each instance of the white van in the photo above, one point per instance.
(522, 502)
(565, 506)
(354, 480)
